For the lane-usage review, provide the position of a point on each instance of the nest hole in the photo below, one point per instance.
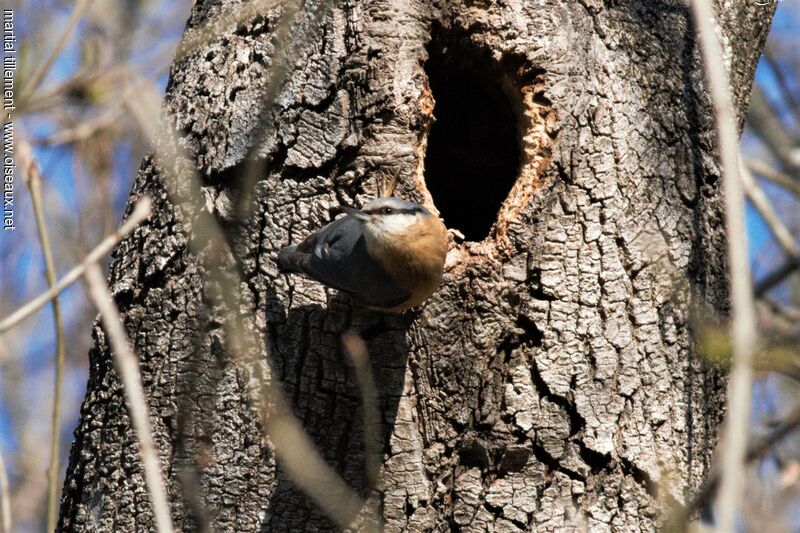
(473, 153)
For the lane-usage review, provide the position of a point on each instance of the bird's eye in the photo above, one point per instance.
(387, 210)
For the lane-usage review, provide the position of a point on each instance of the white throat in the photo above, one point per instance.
(399, 223)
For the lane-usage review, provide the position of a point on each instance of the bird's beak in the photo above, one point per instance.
(357, 214)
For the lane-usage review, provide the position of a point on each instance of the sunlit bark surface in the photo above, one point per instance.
(551, 382)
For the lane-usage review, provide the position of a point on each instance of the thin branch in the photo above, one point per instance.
(764, 207)
(33, 180)
(128, 367)
(283, 63)
(5, 500)
(356, 350)
(766, 171)
(293, 447)
(388, 185)
(791, 313)
(85, 129)
(56, 96)
(140, 213)
(301, 460)
(743, 333)
(788, 94)
(755, 450)
(766, 123)
(190, 484)
(39, 75)
(776, 277)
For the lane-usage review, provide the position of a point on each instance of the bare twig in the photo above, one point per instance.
(786, 91)
(766, 123)
(84, 130)
(140, 213)
(776, 277)
(790, 312)
(743, 334)
(128, 367)
(755, 450)
(293, 447)
(56, 96)
(33, 179)
(356, 349)
(766, 171)
(767, 212)
(5, 500)
(190, 483)
(297, 454)
(39, 75)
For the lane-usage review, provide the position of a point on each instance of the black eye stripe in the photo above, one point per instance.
(393, 211)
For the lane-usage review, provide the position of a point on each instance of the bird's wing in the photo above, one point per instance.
(337, 256)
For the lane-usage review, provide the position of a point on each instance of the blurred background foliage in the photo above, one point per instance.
(88, 147)
(79, 62)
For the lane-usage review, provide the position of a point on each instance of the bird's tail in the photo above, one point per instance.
(287, 259)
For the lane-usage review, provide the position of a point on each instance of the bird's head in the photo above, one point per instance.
(391, 216)
(408, 240)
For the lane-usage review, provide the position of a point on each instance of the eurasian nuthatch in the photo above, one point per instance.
(389, 255)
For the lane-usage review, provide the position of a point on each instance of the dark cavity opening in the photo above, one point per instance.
(473, 154)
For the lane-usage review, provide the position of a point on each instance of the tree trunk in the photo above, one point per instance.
(551, 382)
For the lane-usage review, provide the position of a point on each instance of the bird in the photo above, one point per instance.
(387, 256)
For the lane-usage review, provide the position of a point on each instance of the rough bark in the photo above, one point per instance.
(550, 383)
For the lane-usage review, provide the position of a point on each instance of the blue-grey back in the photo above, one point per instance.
(337, 256)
